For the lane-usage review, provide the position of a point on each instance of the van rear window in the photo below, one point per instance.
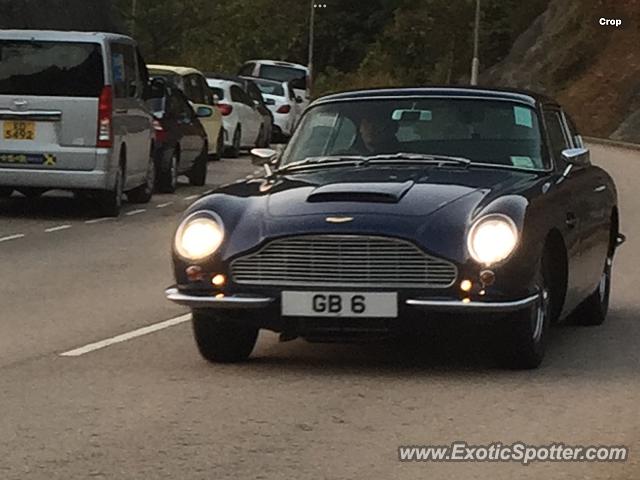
(57, 69)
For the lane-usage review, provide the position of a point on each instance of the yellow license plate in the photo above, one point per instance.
(18, 130)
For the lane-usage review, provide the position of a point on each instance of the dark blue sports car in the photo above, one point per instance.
(393, 207)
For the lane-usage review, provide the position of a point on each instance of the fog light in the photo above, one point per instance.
(218, 280)
(466, 285)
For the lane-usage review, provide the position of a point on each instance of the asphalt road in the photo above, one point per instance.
(147, 407)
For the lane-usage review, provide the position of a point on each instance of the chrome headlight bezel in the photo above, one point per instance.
(509, 249)
(190, 220)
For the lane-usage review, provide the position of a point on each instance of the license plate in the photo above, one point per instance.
(46, 159)
(18, 130)
(340, 304)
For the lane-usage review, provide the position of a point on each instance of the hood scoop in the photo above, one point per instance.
(387, 192)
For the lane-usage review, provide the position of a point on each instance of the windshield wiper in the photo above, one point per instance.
(328, 161)
(440, 160)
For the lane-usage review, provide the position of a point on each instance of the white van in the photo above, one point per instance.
(294, 73)
(73, 116)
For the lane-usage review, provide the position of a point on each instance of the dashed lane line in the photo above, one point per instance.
(164, 205)
(135, 212)
(92, 347)
(11, 237)
(57, 229)
(98, 220)
(190, 197)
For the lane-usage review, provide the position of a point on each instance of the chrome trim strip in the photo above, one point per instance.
(45, 115)
(233, 301)
(460, 306)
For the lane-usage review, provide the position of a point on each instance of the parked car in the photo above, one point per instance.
(73, 116)
(392, 207)
(194, 85)
(180, 145)
(255, 94)
(296, 74)
(280, 99)
(241, 119)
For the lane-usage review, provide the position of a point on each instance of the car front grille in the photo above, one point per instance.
(343, 261)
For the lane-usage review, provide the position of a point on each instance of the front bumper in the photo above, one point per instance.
(220, 301)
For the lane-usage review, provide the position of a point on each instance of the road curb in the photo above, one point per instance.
(613, 143)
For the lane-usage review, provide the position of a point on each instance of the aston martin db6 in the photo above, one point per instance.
(392, 208)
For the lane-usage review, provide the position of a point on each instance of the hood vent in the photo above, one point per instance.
(360, 192)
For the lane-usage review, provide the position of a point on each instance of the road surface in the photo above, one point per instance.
(146, 406)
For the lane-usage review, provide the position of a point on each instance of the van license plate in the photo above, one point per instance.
(340, 304)
(19, 130)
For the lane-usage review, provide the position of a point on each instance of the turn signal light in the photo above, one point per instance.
(218, 280)
(466, 285)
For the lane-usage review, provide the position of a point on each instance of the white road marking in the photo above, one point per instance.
(191, 197)
(163, 205)
(57, 229)
(98, 220)
(126, 336)
(12, 237)
(135, 212)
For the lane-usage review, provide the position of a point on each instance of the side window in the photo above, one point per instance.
(573, 131)
(247, 69)
(194, 89)
(123, 64)
(238, 95)
(180, 106)
(254, 93)
(557, 135)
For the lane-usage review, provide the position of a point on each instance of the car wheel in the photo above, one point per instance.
(5, 192)
(198, 174)
(144, 192)
(168, 178)
(219, 148)
(524, 338)
(111, 200)
(593, 311)
(32, 192)
(234, 150)
(222, 341)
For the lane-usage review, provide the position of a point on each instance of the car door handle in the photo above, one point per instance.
(571, 220)
(600, 189)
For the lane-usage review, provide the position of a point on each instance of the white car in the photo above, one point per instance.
(280, 98)
(296, 74)
(241, 119)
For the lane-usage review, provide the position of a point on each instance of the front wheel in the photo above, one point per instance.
(524, 339)
(593, 311)
(111, 200)
(234, 150)
(219, 147)
(222, 341)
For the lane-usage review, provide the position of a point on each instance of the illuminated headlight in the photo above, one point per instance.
(492, 239)
(199, 236)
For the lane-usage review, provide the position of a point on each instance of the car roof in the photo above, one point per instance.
(279, 63)
(62, 35)
(178, 70)
(224, 76)
(224, 81)
(522, 96)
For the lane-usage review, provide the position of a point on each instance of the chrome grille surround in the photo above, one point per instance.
(343, 261)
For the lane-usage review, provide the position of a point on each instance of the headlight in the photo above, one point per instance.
(199, 236)
(492, 239)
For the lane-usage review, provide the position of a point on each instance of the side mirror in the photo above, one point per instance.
(576, 156)
(299, 99)
(262, 156)
(204, 112)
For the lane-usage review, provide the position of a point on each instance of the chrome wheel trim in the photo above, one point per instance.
(540, 313)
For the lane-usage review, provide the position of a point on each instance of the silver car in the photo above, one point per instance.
(73, 116)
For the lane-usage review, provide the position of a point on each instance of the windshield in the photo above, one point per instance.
(171, 78)
(284, 74)
(483, 131)
(60, 69)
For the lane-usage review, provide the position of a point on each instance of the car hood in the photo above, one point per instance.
(383, 190)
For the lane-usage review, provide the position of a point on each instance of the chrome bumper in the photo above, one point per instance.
(219, 302)
(458, 306)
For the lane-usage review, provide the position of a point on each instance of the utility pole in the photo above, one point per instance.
(475, 63)
(312, 19)
(134, 7)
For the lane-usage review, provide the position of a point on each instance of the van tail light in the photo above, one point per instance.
(105, 117)
(160, 133)
(284, 109)
(225, 109)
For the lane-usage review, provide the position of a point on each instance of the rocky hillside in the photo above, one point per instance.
(88, 15)
(591, 69)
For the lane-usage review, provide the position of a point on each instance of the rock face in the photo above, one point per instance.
(87, 15)
(591, 69)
